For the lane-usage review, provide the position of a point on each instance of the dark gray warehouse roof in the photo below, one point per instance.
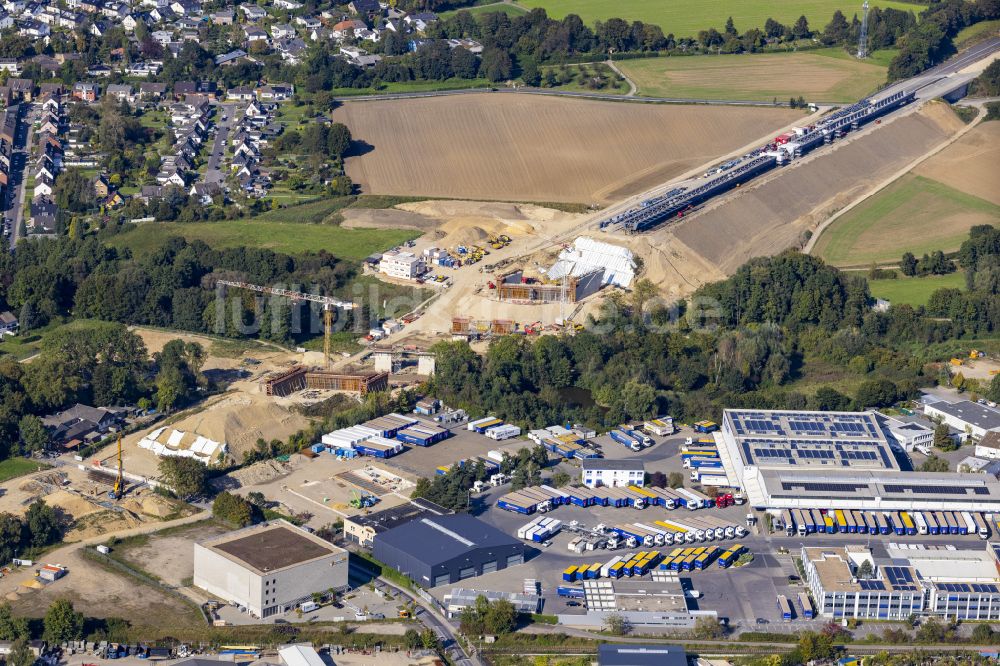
(436, 539)
(978, 415)
(609, 654)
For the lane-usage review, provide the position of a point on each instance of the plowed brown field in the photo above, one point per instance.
(531, 148)
(971, 164)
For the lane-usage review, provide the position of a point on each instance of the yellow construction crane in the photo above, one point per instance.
(327, 302)
(119, 489)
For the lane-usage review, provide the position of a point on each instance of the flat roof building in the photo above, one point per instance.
(908, 435)
(969, 417)
(641, 654)
(942, 581)
(612, 473)
(363, 528)
(836, 460)
(269, 568)
(439, 550)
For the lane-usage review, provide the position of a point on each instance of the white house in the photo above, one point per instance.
(612, 473)
(989, 446)
(402, 265)
(8, 324)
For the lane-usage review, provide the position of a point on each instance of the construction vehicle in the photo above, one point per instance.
(363, 501)
(975, 353)
(118, 491)
(404, 613)
(327, 302)
(956, 361)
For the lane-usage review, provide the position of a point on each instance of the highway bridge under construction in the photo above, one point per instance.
(678, 201)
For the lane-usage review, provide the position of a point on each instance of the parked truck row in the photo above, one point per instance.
(900, 523)
(543, 498)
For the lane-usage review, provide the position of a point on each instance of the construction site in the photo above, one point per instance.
(301, 378)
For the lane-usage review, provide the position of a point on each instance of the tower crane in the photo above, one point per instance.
(327, 302)
(119, 490)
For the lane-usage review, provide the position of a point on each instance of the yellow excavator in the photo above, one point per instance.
(119, 490)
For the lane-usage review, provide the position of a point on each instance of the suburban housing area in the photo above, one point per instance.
(499, 333)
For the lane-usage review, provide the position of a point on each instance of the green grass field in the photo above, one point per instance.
(915, 290)
(30, 343)
(977, 32)
(684, 18)
(914, 214)
(510, 10)
(818, 76)
(15, 467)
(287, 237)
(574, 78)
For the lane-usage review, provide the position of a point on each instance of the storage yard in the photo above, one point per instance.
(604, 150)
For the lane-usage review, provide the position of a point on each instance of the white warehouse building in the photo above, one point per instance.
(612, 473)
(269, 568)
(968, 417)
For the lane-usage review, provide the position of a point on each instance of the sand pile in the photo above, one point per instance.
(473, 222)
(240, 420)
(74, 505)
(260, 472)
(154, 506)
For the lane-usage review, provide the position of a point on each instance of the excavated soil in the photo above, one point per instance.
(771, 217)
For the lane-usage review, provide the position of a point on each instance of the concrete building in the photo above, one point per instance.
(270, 568)
(908, 435)
(989, 446)
(439, 550)
(831, 575)
(612, 473)
(363, 528)
(968, 417)
(939, 581)
(402, 265)
(640, 654)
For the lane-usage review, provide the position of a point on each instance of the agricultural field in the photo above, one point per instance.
(915, 290)
(508, 8)
(531, 148)
(818, 76)
(288, 237)
(931, 208)
(686, 17)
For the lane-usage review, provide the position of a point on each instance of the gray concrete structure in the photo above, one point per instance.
(269, 568)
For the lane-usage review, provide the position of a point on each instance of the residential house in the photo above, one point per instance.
(276, 91)
(33, 28)
(253, 12)
(282, 30)
(240, 93)
(102, 188)
(113, 200)
(365, 7)
(6, 20)
(346, 29)
(231, 58)
(99, 70)
(99, 28)
(82, 423)
(150, 192)
(22, 89)
(255, 34)
(152, 91)
(186, 7)
(86, 92)
(162, 37)
(420, 21)
(206, 193)
(223, 17)
(470, 45)
(10, 66)
(121, 92)
(290, 5)
(44, 216)
(308, 22)
(988, 445)
(50, 93)
(43, 186)
(358, 56)
(291, 50)
(8, 324)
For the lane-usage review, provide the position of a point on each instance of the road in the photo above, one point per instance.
(632, 88)
(429, 616)
(607, 97)
(214, 174)
(14, 208)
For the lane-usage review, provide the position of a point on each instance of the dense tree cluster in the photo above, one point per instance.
(495, 618)
(930, 41)
(40, 527)
(234, 509)
(451, 490)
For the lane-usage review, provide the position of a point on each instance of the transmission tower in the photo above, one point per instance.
(863, 37)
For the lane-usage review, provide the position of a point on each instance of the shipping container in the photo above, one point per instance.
(970, 524)
(908, 525)
(921, 523)
(624, 439)
(705, 426)
(570, 592)
(502, 432)
(807, 607)
(931, 519)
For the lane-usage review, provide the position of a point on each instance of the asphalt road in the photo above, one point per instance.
(14, 208)
(214, 174)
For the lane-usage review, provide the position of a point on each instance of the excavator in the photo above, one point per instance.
(118, 491)
(363, 501)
